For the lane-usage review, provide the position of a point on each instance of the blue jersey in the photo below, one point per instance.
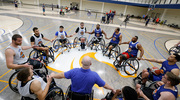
(156, 93)
(133, 49)
(115, 38)
(165, 68)
(98, 33)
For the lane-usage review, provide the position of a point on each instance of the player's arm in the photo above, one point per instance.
(110, 37)
(118, 92)
(120, 39)
(46, 39)
(36, 89)
(27, 47)
(68, 35)
(91, 32)
(125, 42)
(9, 54)
(166, 96)
(104, 34)
(154, 60)
(139, 46)
(58, 76)
(77, 30)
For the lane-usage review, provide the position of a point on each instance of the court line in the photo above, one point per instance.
(3, 31)
(4, 88)
(5, 73)
(157, 48)
(159, 45)
(17, 29)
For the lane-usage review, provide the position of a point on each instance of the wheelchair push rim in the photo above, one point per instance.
(131, 66)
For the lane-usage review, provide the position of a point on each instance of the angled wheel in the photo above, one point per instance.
(116, 62)
(56, 45)
(51, 56)
(131, 66)
(68, 44)
(13, 82)
(75, 42)
(105, 49)
(35, 54)
(102, 44)
(114, 52)
(55, 93)
(67, 95)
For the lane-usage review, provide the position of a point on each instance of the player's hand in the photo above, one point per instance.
(27, 65)
(51, 40)
(139, 58)
(118, 92)
(160, 83)
(49, 79)
(52, 74)
(71, 35)
(113, 91)
(119, 43)
(34, 46)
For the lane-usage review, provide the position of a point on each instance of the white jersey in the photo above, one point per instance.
(81, 32)
(61, 35)
(19, 57)
(25, 90)
(38, 41)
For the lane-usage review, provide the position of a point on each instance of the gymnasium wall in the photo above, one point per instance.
(172, 15)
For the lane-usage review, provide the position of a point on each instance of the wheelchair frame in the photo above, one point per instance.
(114, 51)
(99, 43)
(125, 63)
(61, 45)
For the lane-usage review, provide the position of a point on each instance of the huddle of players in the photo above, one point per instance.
(15, 58)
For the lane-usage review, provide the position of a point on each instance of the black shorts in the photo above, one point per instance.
(62, 40)
(148, 92)
(82, 37)
(113, 44)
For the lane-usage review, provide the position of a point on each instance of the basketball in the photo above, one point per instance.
(155, 70)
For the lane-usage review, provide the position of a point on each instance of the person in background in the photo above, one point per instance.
(16, 3)
(43, 7)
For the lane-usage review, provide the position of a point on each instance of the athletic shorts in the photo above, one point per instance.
(148, 92)
(113, 44)
(62, 40)
(128, 55)
(154, 77)
(81, 37)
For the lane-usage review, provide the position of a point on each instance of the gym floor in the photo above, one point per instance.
(21, 20)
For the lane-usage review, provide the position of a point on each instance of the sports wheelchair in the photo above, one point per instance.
(96, 42)
(114, 51)
(110, 95)
(77, 42)
(57, 45)
(36, 54)
(150, 83)
(130, 65)
(39, 68)
(69, 94)
(174, 50)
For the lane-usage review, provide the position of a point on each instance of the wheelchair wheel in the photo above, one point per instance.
(51, 55)
(55, 93)
(34, 54)
(75, 42)
(13, 82)
(68, 44)
(105, 49)
(153, 85)
(56, 45)
(131, 66)
(114, 52)
(92, 95)
(67, 95)
(173, 50)
(116, 62)
(91, 44)
(102, 44)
